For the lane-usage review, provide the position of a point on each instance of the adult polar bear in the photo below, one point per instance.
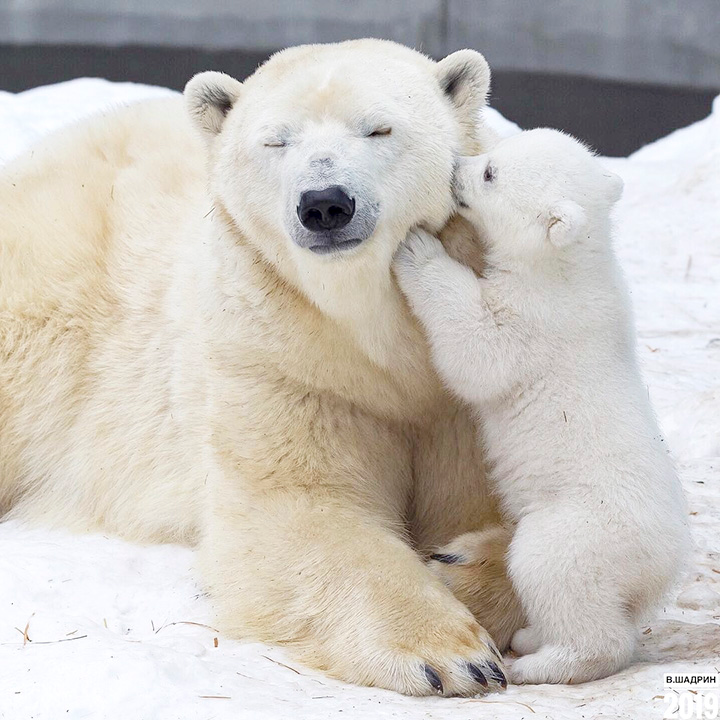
(221, 356)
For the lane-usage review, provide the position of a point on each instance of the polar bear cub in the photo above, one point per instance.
(543, 347)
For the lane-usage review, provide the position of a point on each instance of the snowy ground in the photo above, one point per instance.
(92, 627)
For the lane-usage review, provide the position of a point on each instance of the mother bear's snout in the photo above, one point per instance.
(328, 209)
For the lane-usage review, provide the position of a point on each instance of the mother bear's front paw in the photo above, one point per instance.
(449, 654)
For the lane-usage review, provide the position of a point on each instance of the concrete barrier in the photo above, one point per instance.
(657, 41)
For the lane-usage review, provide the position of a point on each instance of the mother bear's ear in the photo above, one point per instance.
(464, 77)
(209, 97)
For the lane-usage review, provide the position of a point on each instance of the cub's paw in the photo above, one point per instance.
(418, 248)
(557, 664)
(525, 641)
(474, 568)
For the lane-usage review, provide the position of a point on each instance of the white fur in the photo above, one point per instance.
(543, 347)
(175, 367)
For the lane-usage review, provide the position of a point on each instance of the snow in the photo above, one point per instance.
(93, 627)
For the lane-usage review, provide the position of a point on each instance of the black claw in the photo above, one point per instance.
(497, 674)
(447, 558)
(477, 674)
(434, 679)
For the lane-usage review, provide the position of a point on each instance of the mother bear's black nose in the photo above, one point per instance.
(329, 209)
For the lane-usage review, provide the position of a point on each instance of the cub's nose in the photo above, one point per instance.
(329, 209)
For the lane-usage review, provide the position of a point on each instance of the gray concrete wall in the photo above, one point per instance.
(658, 41)
(661, 41)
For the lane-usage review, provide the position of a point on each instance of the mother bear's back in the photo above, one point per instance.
(80, 273)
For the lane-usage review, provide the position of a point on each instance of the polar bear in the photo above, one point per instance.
(201, 341)
(543, 347)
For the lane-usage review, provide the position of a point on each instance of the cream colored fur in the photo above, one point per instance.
(174, 368)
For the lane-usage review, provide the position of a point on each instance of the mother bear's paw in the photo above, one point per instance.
(474, 567)
(446, 653)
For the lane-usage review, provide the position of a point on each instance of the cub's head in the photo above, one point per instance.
(535, 192)
(330, 153)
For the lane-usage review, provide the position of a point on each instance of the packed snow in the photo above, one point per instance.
(93, 627)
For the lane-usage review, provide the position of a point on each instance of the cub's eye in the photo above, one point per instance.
(489, 174)
(379, 132)
(275, 143)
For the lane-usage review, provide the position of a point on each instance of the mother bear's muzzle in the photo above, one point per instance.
(333, 219)
(329, 209)
(325, 213)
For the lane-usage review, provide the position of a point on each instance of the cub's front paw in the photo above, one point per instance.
(419, 247)
(411, 265)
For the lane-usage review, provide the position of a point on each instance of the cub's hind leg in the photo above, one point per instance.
(474, 567)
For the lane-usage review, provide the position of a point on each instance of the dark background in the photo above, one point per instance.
(616, 73)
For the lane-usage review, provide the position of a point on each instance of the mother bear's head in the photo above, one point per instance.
(328, 154)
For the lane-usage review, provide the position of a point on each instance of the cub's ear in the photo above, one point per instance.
(566, 223)
(209, 97)
(614, 187)
(464, 77)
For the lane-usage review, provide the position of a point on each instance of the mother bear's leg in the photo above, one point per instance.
(456, 521)
(304, 546)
